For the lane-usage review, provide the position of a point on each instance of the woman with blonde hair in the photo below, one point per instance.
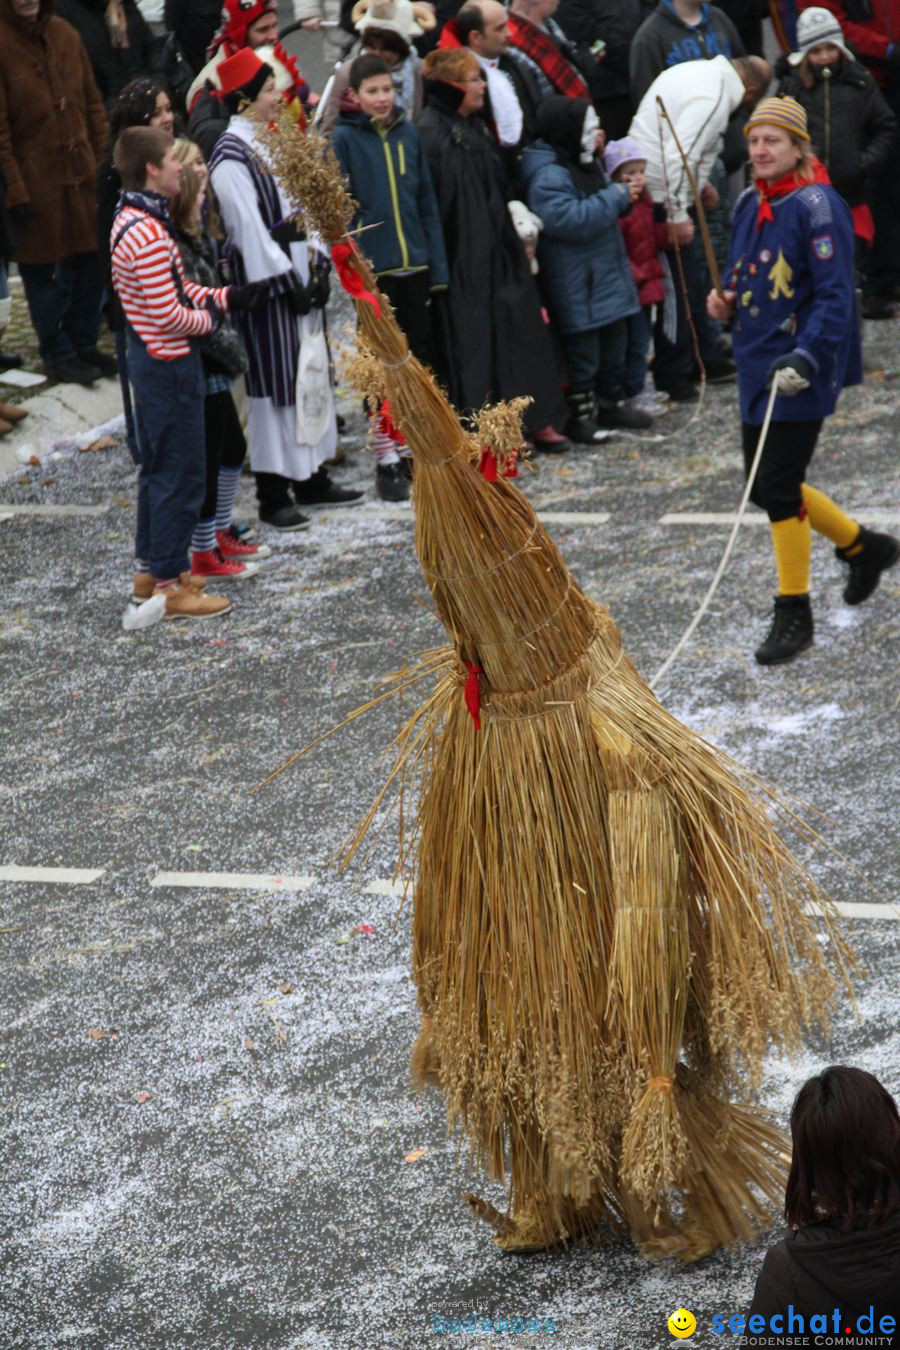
(216, 547)
(790, 297)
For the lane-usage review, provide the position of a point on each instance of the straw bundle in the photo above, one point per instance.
(608, 932)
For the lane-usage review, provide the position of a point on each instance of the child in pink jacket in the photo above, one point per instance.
(646, 234)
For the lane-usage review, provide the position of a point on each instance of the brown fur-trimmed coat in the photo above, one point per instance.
(53, 130)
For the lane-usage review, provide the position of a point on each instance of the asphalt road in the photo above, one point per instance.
(206, 1115)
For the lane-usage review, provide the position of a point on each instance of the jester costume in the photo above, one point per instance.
(791, 273)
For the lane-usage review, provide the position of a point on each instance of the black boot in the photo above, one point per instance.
(878, 552)
(581, 426)
(791, 631)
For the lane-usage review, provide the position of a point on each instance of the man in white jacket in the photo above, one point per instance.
(699, 97)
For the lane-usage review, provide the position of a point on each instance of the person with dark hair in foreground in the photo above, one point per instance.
(842, 1205)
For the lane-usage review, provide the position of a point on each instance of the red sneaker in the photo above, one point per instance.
(232, 547)
(212, 564)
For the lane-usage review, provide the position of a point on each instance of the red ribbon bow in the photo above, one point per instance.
(473, 693)
(348, 276)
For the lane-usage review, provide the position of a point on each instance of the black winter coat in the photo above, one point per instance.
(615, 22)
(850, 124)
(194, 23)
(208, 121)
(113, 67)
(109, 186)
(494, 342)
(747, 17)
(819, 1268)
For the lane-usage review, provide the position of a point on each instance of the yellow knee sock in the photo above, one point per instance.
(828, 519)
(792, 541)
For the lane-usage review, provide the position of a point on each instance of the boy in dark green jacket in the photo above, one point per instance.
(381, 156)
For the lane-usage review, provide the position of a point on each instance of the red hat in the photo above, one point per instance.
(237, 16)
(244, 73)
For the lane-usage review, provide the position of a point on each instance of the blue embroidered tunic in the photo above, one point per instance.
(795, 291)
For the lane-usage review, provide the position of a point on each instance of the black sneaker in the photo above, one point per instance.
(791, 632)
(867, 557)
(9, 361)
(878, 307)
(391, 483)
(679, 388)
(719, 370)
(100, 361)
(72, 372)
(319, 490)
(284, 518)
(620, 416)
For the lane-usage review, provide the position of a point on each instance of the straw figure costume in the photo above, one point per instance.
(608, 933)
(790, 295)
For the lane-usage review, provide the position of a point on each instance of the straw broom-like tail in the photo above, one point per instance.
(608, 932)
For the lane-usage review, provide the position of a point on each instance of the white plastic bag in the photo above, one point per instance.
(313, 388)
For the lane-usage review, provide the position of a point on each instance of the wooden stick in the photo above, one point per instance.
(698, 206)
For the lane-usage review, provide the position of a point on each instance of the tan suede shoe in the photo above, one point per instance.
(187, 601)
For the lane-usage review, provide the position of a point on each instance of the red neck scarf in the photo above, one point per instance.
(782, 186)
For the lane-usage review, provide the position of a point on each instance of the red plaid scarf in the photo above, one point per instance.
(544, 53)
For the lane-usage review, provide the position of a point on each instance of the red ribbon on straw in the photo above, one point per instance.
(473, 693)
(348, 276)
(387, 424)
(490, 466)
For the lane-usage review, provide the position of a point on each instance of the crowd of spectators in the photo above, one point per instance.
(530, 173)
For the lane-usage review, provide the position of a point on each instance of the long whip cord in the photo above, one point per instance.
(720, 570)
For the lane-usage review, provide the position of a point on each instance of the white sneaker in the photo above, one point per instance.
(143, 613)
(645, 402)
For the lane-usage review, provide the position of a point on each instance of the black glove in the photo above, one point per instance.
(659, 212)
(252, 295)
(288, 232)
(798, 375)
(319, 287)
(298, 297)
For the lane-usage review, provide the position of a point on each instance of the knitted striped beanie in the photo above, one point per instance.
(782, 112)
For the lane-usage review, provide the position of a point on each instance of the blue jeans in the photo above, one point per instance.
(639, 332)
(595, 359)
(168, 413)
(64, 304)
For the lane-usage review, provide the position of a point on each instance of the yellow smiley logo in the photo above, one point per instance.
(682, 1323)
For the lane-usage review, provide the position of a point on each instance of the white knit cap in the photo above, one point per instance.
(815, 26)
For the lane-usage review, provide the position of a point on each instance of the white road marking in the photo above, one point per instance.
(574, 517)
(274, 881)
(758, 518)
(405, 513)
(42, 509)
(62, 876)
(388, 887)
(862, 909)
(234, 881)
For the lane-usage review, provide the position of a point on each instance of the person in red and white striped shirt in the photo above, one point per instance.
(165, 314)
